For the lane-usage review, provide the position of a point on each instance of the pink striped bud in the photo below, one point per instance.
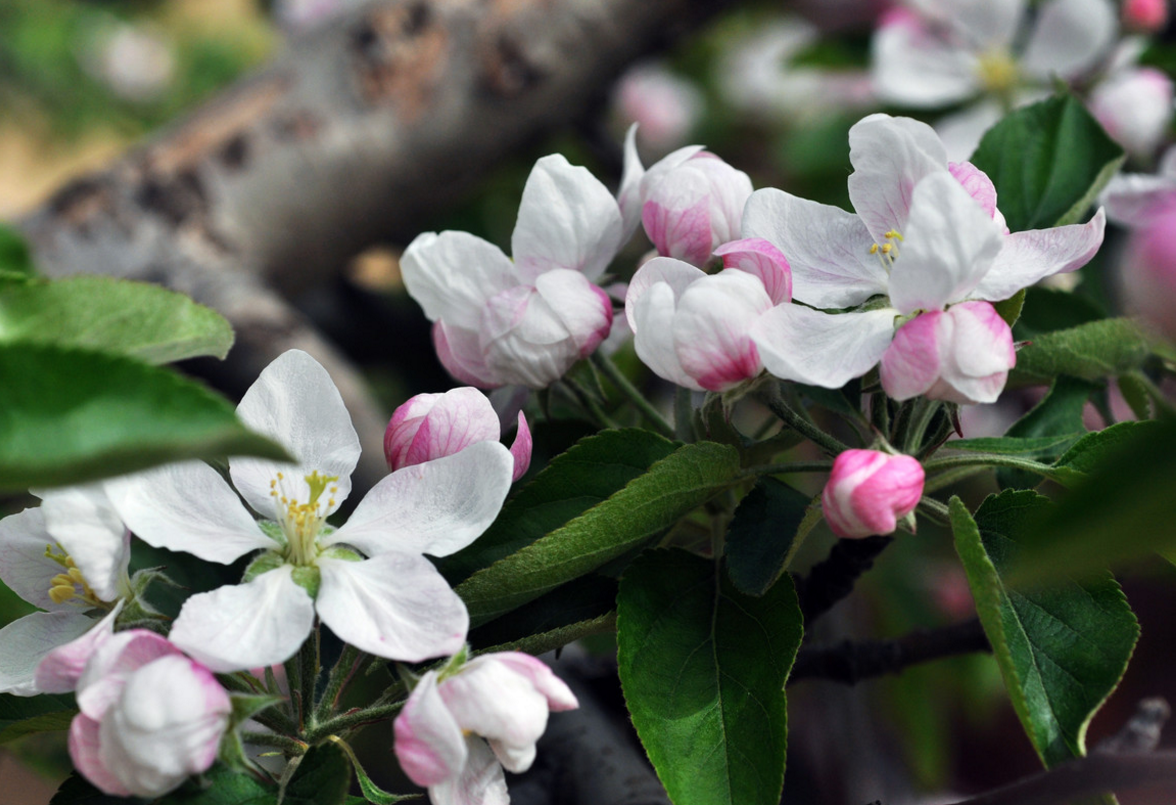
(1145, 16)
(869, 491)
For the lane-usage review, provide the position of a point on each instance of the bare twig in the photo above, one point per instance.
(833, 579)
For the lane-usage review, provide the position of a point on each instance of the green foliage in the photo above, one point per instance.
(1062, 649)
(564, 610)
(703, 669)
(1026, 447)
(371, 792)
(323, 777)
(1048, 161)
(763, 535)
(1010, 309)
(14, 253)
(1047, 310)
(1059, 414)
(649, 505)
(130, 318)
(71, 415)
(20, 715)
(76, 790)
(1089, 351)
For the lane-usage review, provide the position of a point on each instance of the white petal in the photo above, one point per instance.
(962, 131)
(60, 669)
(1027, 257)
(451, 275)
(827, 247)
(26, 641)
(1132, 199)
(83, 521)
(187, 507)
(437, 507)
(982, 24)
(1069, 37)
(481, 781)
(24, 567)
(584, 308)
(676, 273)
(948, 247)
(460, 352)
(629, 195)
(525, 342)
(567, 219)
(295, 403)
(489, 699)
(821, 349)
(913, 65)
(112, 663)
(653, 338)
(710, 329)
(429, 742)
(395, 605)
(890, 156)
(246, 625)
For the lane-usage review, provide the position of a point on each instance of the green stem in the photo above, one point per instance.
(308, 673)
(789, 466)
(341, 675)
(987, 460)
(802, 424)
(625, 387)
(683, 415)
(291, 746)
(589, 404)
(923, 414)
(270, 717)
(293, 679)
(950, 477)
(353, 719)
(935, 507)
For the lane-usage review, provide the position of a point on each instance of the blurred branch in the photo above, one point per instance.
(850, 662)
(833, 579)
(359, 133)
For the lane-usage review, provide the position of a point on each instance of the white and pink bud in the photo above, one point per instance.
(497, 700)
(869, 491)
(1148, 271)
(665, 106)
(1145, 16)
(961, 355)
(1135, 108)
(150, 717)
(761, 259)
(431, 426)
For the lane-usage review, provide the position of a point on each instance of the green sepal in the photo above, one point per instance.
(263, 564)
(371, 791)
(247, 705)
(309, 578)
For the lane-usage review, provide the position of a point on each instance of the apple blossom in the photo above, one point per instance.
(928, 235)
(689, 202)
(1133, 104)
(149, 717)
(69, 558)
(868, 491)
(393, 604)
(935, 53)
(1146, 16)
(665, 106)
(526, 321)
(460, 728)
(430, 426)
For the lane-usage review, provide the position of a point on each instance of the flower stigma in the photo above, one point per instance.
(70, 585)
(302, 522)
(998, 71)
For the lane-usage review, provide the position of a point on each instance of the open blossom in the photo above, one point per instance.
(927, 236)
(69, 558)
(431, 426)
(936, 53)
(149, 717)
(393, 603)
(692, 328)
(459, 729)
(869, 491)
(689, 202)
(526, 321)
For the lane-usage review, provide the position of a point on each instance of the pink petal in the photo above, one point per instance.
(760, 258)
(520, 448)
(428, 741)
(911, 364)
(84, 749)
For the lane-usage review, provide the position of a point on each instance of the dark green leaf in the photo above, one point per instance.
(762, 535)
(68, 416)
(1047, 310)
(1010, 309)
(646, 507)
(1089, 351)
(703, 669)
(1048, 161)
(1058, 414)
(587, 598)
(247, 705)
(221, 785)
(592, 470)
(1092, 449)
(371, 791)
(322, 778)
(1026, 447)
(76, 790)
(14, 253)
(21, 715)
(1062, 649)
(136, 319)
(1137, 392)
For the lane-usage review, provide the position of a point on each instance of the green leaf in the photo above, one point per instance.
(646, 507)
(322, 778)
(1058, 414)
(1136, 390)
(247, 705)
(588, 473)
(575, 604)
(221, 785)
(1061, 650)
(1026, 447)
(1048, 161)
(137, 319)
(1048, 309)
(69, 416)
(1089, 351)
(762, 535)
(14, 253)
(371, 791)
(77, 790)
(21, 715)
(703, 669)
(1092, 449)
(1010, 309)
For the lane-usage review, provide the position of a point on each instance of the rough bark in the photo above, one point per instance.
(354, 135)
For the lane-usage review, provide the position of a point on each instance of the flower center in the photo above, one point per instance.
(70, 585)
(887, 252)
(998, 71)
(302, 522)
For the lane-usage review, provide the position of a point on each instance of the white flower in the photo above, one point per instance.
(394, 604)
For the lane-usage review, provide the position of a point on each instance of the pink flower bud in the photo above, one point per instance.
(869, 491)
(1135, 107)
(150, 717)
(760, 258)
(979, 187)
(664, 106)
(431, 426)
(1148, 271)
(691, 207)
(1145, 16)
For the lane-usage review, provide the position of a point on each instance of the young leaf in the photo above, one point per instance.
(703, 669)
(1058, 414)
(1048, 161)
(762, 535)
(588, 473)
(1089, 351)
(1026, 447)
(1062, 649)
(20, 715)
(322, 778)
(646, 507)
(137, 319)
(371, 791)
(1010, 309)
(69, 416)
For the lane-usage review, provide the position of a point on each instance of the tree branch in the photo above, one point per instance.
(833, 579)
(850, 662)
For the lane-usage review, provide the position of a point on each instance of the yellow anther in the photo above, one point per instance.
(281, 476)
(61, 580)
(873, 248)
(59, 595)
(330, 502)
(886, 248)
